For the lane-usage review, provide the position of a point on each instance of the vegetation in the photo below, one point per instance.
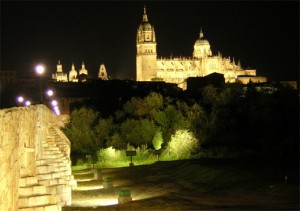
(227, 122)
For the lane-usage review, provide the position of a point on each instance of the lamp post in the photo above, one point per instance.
(39, 69)
(49, 93)
(20, 99)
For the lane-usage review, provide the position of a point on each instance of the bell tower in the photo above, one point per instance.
(146, 55)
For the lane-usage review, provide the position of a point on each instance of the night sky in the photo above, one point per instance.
(263, 35)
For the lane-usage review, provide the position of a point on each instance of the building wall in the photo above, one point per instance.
(252, 79)
(26, 133)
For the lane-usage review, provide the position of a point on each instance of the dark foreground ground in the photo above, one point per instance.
(193, 185)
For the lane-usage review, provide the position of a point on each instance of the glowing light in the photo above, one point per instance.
(49, 92)
(27, 103)
(96, 202)
(40, 69)
(107, 202)
(54, 103)
(84, 180)
(94, 187)
(20, 99)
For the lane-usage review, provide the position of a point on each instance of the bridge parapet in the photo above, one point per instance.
(35, 165)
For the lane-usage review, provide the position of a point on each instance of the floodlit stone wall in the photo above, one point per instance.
(35, 166)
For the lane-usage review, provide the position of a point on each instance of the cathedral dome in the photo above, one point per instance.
(201, 40)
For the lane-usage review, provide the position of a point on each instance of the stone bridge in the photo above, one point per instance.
(35, 165)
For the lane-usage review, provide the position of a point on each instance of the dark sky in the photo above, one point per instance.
(263, 35)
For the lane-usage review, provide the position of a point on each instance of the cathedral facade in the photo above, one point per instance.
(176, 70)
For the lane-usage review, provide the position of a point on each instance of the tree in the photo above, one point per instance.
(104, 131)
(81, 134)
(138, 132)
(182, 145)
(157, 140)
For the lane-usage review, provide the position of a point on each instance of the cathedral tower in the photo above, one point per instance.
(201, 47)
(102, 74)
(146, 67)
(73, 74)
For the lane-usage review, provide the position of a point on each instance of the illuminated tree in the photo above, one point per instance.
(182, 145)
(157, 140)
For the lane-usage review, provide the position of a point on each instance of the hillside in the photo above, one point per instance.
(193, 185)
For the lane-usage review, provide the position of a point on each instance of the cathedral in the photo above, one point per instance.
(74, 76)
(176, 70)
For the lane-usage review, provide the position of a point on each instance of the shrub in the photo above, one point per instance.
(182, 145)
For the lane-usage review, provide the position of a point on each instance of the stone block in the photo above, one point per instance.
(30, 181)
(22, 182)
(25, 191)
(97, 174)
(124, 196)
(107, 182)
(25, 172)
(40, 189)
(41, 200)
(45, 169)
(52, 189)
(62, 181)
(72, 183)
(39, 208)
(52, 208)
(23, 202)
(48, 182)
(126, 199)
(44, 176)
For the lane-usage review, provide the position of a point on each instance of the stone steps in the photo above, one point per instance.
(50, 188)
(27, 181)
(33, 190)
(54, 207)
(39, 200)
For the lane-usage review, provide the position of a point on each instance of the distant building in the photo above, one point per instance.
(177, 69)
(60, 75)
(75, 76)
(83, 70)
(102, 74)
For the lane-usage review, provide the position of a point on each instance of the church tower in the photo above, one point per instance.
(83, 70)
(146, 67)
(102, 74)
(201, 47)
(73, 74)
(60, 75)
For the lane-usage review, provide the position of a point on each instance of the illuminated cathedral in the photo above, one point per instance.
(176, 70)
(61, 76)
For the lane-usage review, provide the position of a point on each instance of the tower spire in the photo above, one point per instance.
(145, 17)
(201, 33)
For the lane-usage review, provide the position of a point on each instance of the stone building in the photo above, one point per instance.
(60, 75)
(176, 70)
(75, 76)
(102, 74)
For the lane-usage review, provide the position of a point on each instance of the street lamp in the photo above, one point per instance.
(49, 92)
(40, 69)
(27, 103)
(20, 99)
